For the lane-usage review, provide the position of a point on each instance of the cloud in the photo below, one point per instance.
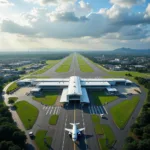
(49, 2)
(147, 12)
(123, 16)
(12, 27)
(126, 3)
(114, 12)
(5, 3)
(66, 22)
(66, 17)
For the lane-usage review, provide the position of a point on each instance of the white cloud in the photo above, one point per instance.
(114, 12)
(147, 12)
(126, 3)
(6, 3)
(49, 2)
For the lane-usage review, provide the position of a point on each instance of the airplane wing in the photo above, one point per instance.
(79, 130)
(69, 130)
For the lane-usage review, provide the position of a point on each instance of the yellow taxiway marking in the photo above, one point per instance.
(74, 122)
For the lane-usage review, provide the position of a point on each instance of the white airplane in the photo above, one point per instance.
(74, 132)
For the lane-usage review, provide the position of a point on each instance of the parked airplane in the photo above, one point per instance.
(74, 132)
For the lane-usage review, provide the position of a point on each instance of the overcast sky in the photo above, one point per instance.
(74, 24)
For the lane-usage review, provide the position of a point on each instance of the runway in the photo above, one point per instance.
(74, 70)
(70, 114)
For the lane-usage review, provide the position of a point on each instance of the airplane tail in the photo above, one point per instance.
(74, 123)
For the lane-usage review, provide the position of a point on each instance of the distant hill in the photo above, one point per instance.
(132, 51)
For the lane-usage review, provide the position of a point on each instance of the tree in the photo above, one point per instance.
(4, 145)
(1, 88)
(19, 138)
(147, 129)
(131, 146)
(146, 136)
(129, 139)
(144, 144)
(134, 125)
(137, 131)
(14, 147)
(11, 101)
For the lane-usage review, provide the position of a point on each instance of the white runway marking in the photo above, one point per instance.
(64, 135)
(92, 109)
(58, 108)
(54, 110)
(105, 110)
(98, 110)
(43, 107)
(89, 109)
(95, 109)
(51, 110)
(48, 110)
(101, 110)
(84, 131)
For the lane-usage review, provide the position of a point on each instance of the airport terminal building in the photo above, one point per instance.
(74, 88)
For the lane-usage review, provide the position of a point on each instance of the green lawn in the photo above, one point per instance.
(95, 119)
(100, 98)
(53, 119)
(98, 129)
(108, 139)
(65, 67)
(123, 111)
(27, 113)
(12, 87)
(41, 143)
(84, 67)
(97, 126)
(48, 98)
(50, 64)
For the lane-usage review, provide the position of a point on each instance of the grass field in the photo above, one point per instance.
(97, 125)
(53, 119)
(27, 113)
(84, 67)
(43, 142)
(50, 64)
(99, 98)
(65, 67)
(95, 119)
(122, 73)
(123, 111)
(12, 88)
(108, 139)
(48, 98)
(98, 129)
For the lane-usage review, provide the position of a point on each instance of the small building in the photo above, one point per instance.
(112, 91)
(35, 91)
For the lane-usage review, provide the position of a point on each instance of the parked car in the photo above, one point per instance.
(31, 134)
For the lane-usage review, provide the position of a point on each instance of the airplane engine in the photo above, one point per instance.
(79, 133)
(69, 134)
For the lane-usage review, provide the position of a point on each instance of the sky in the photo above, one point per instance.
(74, 24)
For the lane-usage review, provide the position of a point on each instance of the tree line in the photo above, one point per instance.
(140, 138)
(11, 137)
